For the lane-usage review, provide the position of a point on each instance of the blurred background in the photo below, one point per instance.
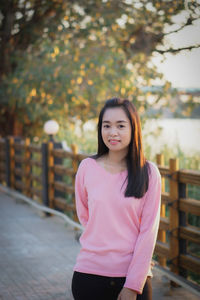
(61, 60)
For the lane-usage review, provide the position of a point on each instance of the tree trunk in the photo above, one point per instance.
(6, 47)
(10, 125)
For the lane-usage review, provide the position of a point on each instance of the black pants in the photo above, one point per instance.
(95, 287)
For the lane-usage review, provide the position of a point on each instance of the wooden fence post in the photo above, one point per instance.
(27, 170)
(182, 222)
(173, 217)
(162, 233)
(12, 162)
(50, 175)
(7, 149)
(17, 164)
(58, 161)
(2, 160)
(75, 167)
(45, 193)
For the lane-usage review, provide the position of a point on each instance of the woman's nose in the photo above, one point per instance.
(113, 131)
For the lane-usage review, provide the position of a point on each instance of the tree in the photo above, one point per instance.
(64, 57)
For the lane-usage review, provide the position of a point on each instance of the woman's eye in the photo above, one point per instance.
(121, 126)
(106, 126)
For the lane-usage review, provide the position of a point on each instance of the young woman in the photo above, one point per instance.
(118, 202)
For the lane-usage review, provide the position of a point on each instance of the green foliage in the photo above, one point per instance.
(69, 83)
(63, 58)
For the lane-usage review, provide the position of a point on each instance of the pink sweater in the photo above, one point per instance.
(119, 232)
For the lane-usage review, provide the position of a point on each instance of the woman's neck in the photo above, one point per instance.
(116, 158)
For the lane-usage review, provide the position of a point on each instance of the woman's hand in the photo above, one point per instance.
(152, 264)
(127, 294)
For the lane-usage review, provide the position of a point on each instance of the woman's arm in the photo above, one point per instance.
(81, 195)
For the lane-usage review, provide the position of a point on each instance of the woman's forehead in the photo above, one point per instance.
(115, 114)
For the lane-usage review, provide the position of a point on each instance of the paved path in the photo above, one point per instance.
(37, 255)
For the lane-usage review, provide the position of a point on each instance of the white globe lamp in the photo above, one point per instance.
(51, 127)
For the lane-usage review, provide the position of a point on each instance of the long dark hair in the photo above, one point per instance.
(137, 165)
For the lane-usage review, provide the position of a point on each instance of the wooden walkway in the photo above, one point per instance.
(37, 255)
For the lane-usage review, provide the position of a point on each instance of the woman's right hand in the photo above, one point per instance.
(127, 294)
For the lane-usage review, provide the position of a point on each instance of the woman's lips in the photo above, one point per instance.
(114, 142)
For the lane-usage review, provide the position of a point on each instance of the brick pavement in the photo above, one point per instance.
(37, 255)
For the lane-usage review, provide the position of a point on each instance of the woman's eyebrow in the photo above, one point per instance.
(120, 121)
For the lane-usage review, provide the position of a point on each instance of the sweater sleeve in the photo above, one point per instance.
(140, 263)
(81, 195)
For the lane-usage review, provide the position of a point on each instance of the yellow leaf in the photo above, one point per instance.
(86, 102)
(133, 89)
(130, 93)
(132, 40)
(69, 91)
(72, 81)
(28, 100)
(123, 91)
(56, 50)
(33, 93)
(171, 10)
(82, 66)
(117, 88)
(127, 83)
(73, 99)
(68, 35)
(90, 82)
(141, 109)
(56, 72)
(15, 80)
(66, 108)
(75, 58)
(102, 69)
(114, 27)
(91, 65)
(79, 80)
(82, 73)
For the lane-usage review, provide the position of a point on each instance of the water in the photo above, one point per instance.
(175, 133)
(182, 133)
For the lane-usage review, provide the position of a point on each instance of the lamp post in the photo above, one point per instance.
(51, 127)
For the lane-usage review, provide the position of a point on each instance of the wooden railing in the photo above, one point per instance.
(47, 174)
(175, 249)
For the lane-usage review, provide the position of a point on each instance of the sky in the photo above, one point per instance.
(182, 69)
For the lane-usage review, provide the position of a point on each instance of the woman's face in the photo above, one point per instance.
(116, 129)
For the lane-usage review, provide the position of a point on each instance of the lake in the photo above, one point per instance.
(184, 133)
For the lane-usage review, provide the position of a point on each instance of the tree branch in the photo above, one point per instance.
(171, 50)
(189, 22)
